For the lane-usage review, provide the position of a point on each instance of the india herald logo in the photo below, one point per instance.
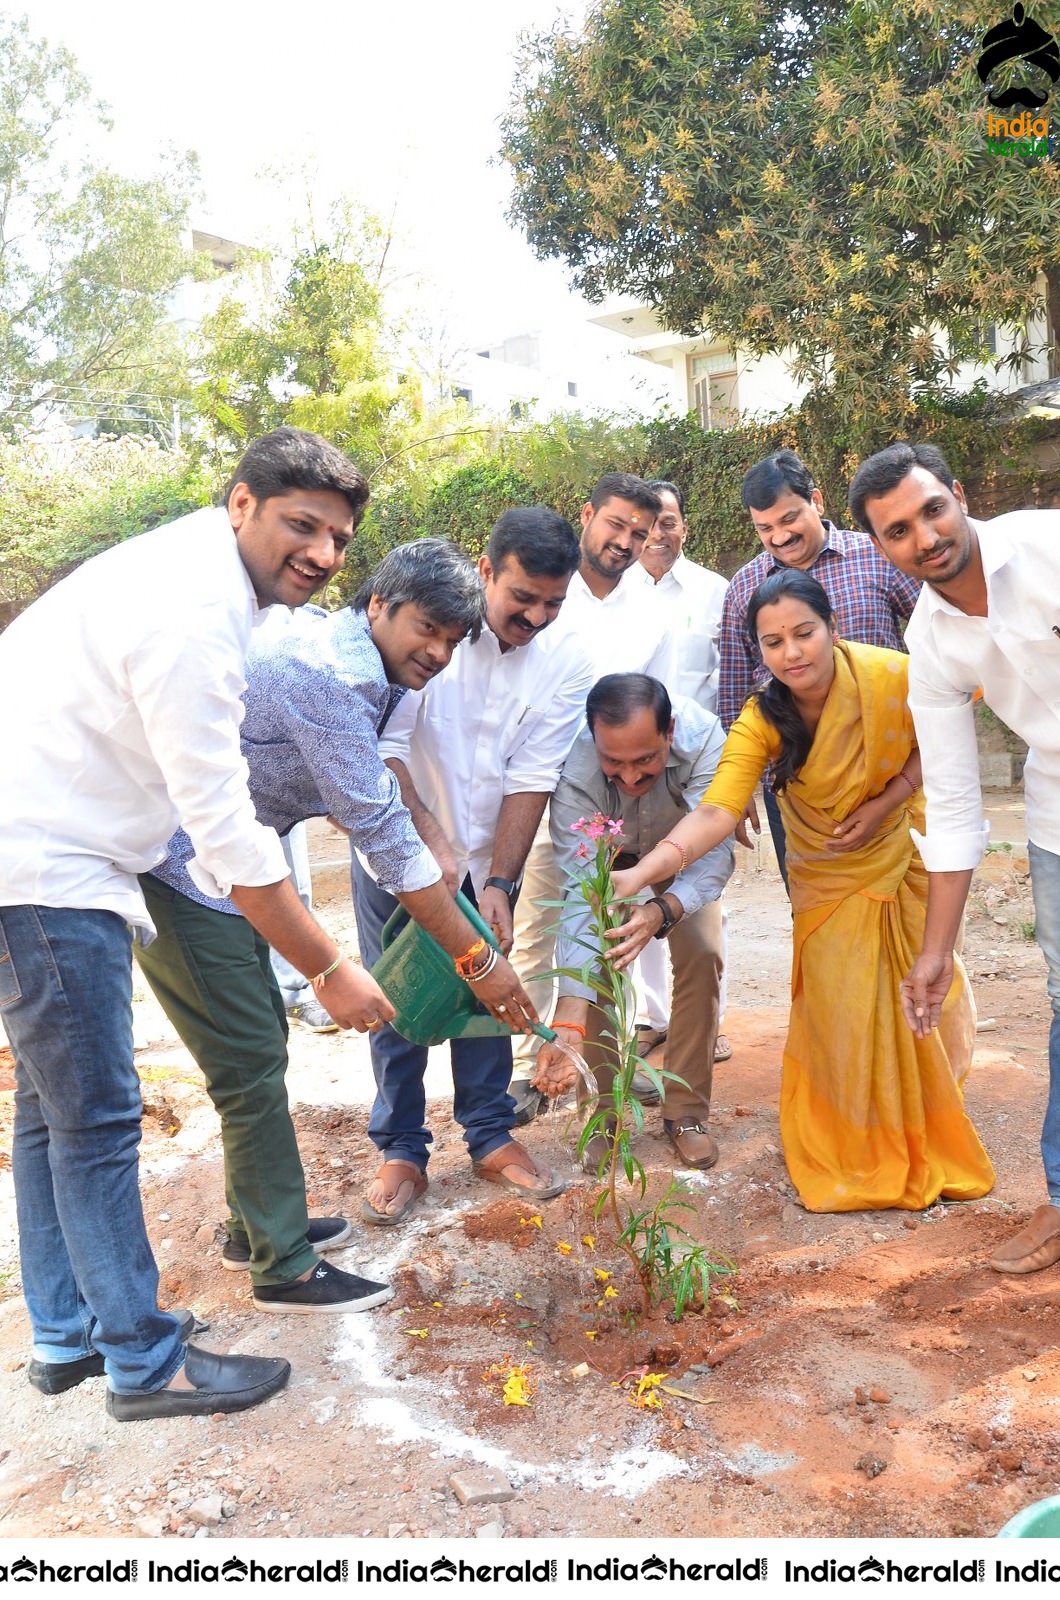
(1020, 39)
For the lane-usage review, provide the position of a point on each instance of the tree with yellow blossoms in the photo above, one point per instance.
(796, 176)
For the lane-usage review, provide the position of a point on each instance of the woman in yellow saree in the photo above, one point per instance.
(871, 1117)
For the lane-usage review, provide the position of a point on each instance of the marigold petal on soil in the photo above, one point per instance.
(518, 1389)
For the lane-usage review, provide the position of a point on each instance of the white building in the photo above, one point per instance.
(722, 384)
(558, 369)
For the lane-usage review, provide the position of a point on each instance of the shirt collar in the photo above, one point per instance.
(834, 544)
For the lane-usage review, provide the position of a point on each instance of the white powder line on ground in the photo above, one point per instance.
(629, 1474)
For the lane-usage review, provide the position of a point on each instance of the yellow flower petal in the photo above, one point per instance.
(588, 1241)
(564, 1249)
(518, 1388)
(416, 1333)
(601, 1275)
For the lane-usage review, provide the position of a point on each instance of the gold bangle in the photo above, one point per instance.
(682, 852)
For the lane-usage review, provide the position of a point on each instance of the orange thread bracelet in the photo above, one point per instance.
(465, 963)
(912, 786)
(575, 1027)
(682, 852)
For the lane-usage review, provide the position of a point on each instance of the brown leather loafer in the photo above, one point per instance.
(692, 1143)
(1037, 1244)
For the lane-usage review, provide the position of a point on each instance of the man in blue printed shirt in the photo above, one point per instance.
(870, 598)
(319, 691)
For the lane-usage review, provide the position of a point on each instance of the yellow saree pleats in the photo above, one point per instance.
(871, 1116)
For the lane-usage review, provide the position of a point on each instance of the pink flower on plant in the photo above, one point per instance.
(597, 827)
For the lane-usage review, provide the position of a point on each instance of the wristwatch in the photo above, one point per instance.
(505, 885)
(669, 918)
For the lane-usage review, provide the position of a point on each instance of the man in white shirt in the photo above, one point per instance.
(623, 627)
(477, 754)
(693, 598)
(120, 721)
(989, 618)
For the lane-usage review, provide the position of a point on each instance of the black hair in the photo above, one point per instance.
(775, 701)
(615, 698)
(544, 543)
(884, 471)
(434, 575)
(625, 486)
(664, 486)
(765, 482)
(290, 458)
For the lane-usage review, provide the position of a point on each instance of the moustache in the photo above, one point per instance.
(1022, 95)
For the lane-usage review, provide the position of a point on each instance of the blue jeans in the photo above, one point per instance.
(88, 1274)
(1045, 881)
(482, 1068)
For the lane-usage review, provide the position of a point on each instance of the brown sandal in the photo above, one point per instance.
(393, 1181)
(494, 1166)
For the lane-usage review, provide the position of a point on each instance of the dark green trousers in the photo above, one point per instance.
(211, 975)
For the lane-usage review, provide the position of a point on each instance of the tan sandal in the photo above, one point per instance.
(494, 1168)
(400, 1174)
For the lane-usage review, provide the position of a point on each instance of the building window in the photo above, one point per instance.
(462, 394)
(572, 390)
(714, 392)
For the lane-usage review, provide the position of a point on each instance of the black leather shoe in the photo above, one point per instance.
(528, 1101)
(55, 1377)
(219, 1383)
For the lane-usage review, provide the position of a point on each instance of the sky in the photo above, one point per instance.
(397, 103)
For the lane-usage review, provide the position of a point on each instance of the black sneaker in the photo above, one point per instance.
(323, 1233)
(55, 1377)
(326, 1289)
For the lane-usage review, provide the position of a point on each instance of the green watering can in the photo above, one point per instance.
(432, 1002)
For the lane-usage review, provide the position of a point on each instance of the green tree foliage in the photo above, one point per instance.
(798, 175)
(63, 500)
(310, 341)
(88, 258)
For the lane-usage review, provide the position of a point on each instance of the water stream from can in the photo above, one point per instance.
(568, 1111)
